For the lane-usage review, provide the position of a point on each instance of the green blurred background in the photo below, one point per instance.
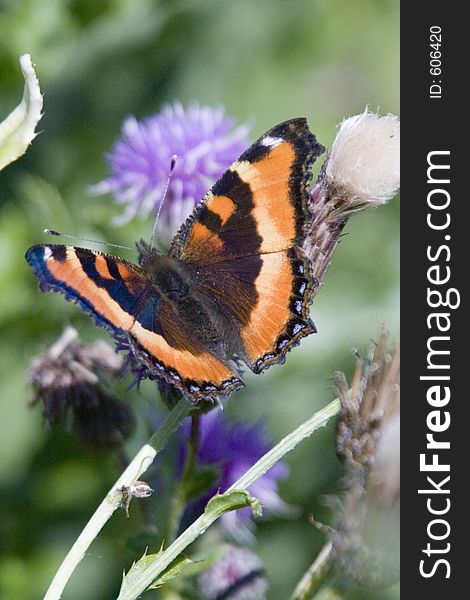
(98, 62)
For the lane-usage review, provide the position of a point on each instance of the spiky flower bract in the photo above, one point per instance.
(366, 538)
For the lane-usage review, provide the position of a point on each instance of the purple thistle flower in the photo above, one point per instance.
(237, 575)
(233, 448)
(205, 143)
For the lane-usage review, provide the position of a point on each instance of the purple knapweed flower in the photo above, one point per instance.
(237, 575)
(205, 143)
(233, 447)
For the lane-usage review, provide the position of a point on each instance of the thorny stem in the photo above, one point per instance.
(315, 575)
(140, 463)
(180, 497)
(151, 571)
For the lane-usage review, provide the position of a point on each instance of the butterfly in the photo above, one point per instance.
(234, 286)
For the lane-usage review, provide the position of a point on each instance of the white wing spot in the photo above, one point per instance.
(271, 142)
(47, 253)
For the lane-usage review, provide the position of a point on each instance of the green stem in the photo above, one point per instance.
(180, 495)
(193, 445)
(160, 438)
(287, 444)
(315, 575)
(330, 592)
(140, 463)
(148, 573)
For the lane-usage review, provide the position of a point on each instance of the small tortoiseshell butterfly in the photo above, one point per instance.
(235, 284)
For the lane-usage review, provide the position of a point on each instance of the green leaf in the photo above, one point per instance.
(17, 131)
(181, 566)
(137, 569)
(185, 567)
(232, 500)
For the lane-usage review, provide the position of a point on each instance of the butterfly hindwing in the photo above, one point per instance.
(244, 241)
(120, 298)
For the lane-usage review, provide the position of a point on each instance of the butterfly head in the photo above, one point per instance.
(146, 254)
(169, 278)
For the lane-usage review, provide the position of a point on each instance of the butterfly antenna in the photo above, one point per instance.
(172, 167)
(80, 239)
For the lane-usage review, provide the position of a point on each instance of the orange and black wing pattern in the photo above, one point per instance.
(119, 297)
(244, 285)
(244, 241)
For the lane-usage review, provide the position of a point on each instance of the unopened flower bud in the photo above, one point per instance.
(140, 489)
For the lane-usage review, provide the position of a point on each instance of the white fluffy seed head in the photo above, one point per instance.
(363, 167)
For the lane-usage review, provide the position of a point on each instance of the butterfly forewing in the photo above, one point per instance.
(244, 241)
(121, 299)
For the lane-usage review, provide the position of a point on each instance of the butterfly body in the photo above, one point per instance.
(235, 284)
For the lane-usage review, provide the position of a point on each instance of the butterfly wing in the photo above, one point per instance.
(119, 298)
(244, 242)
